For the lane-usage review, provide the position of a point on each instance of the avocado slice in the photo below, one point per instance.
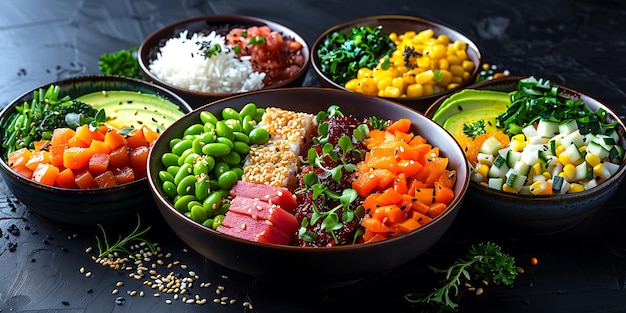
(454, 124)
(133, 109)
(468, 100)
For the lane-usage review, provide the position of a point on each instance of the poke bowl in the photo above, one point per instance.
(45, 130)
(206, 58)
(341, 251)
(406, 59)
(562, 151)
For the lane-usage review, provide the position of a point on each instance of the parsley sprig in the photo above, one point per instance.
(484, 261)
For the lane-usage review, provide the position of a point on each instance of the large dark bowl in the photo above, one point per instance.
(399, 25)
(288, 265)
(540, 214)
(149, 47)
(85, 207)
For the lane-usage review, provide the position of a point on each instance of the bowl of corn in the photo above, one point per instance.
(405, 59)
(544, 173)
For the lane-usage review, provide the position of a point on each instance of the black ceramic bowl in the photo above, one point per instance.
(92, 206)
(151, 45)
(287, 265)
(525, 215)
(400, 25)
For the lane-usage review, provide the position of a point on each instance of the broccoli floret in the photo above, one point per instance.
(67, 114)
(474, 129)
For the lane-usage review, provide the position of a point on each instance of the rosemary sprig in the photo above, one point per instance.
(104, 248)
(483, 262)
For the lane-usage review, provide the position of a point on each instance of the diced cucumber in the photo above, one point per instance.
(529, 131)
(554, 142)
(522, 168)
(498, 171)
(535, 140)
(490, 146)
(597, 149)
(512, 157)
(484, 158)
(611, 167)
(559, 184)
(572, 153)
(496, 183)
(547, 128)
(529, 156)
(616, 154)
(573, 138)
(590, 184)
(515, 180)
(613, 134)
(584, 171)
(568, 127)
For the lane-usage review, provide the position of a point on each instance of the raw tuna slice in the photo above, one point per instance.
(274, 195)
(245, 227)
(259, 209)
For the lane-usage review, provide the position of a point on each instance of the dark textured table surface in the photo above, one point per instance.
(582, 44)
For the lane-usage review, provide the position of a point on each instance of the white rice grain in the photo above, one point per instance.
(181, 62)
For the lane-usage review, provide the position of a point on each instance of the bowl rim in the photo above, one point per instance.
(455, 205)
(394, 17)
(77, 79)
(158, 35)
(619, 175)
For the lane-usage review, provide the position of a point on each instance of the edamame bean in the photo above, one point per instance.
(248, 110)
(234, 125)
(203, 166)
(181, 203)
(259, 136)
(225, 141)
(230, 113)
(209, 128)
(169, 188)
(187, 186)
(216, 149)
(239, 171)
(224, 207)
(184, 155)
(241, 147)
(208, 223)
(185, 170)
(174, 141)
(169, 159)
(227, 179)
(173, 170)
(208, 117)
(258, 115)
(182, 146)
(191, 203)
(166, 176)
(217, 221)
(239, 136)
(191, 158)
(222, 130)
(202, 189)
(232, 158)
(220, 168)
(194, 129)
(213, 202)
(247, 124)
(198, 214)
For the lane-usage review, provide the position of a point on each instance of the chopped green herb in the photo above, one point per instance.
(122, 63)
(474, 129)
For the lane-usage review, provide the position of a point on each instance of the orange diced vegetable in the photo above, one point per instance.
(19, 157)
(84, 180)
(60, 136)
(76, 158)
(98, 163)
(65, 179)
(106, 179)
(45, 173)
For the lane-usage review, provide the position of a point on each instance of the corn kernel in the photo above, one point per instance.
(569, 172)
(599, 170)
(352, 84)
(424, 77)
(517, 145)
(392, 92)
(444, 64)
(564, 159)
(507, 188)
(414, 90)
(519, 137)
(428, 90)
(383, 83)
(538, 187)
(462, 54)
(592, 159)
(576, 187)
(365, 72)
(444, 39)
(537, 169)
(368, 87)
(467, 65)
(559, 149)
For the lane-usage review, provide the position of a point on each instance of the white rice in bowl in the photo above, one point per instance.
(181, 62)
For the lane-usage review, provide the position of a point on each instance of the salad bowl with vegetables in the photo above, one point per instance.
(206, 58)
(405, 59)
(545, 156)
(319, 182)
(74, 151)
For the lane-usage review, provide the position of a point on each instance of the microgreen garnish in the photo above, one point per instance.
(257, 40)
(331, 221)
(486, 261)
(105, 248)
(123, 63)
(474, 129)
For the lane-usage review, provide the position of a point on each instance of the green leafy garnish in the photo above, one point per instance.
(474, 129)
(36, 120)
(342, 55)
(483, 262)
(122, 63)
(210, 49)
(537, 99)
(105, 248)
